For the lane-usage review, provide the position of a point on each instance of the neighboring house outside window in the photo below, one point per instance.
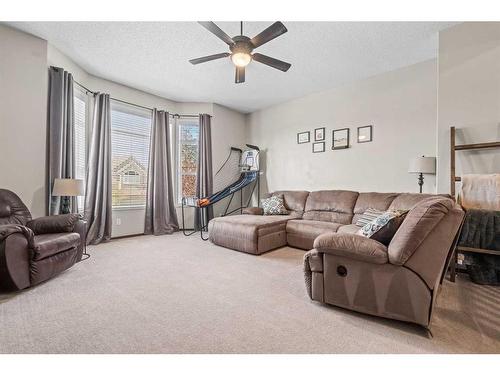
(131, 178)
(187, 157)
(130, 136)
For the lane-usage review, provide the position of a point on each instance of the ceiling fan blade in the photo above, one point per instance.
(240, 75)
(217, 31)
(272, 62)
(203, 59)
(273, 31)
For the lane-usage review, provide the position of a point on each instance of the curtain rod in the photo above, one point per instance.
(136, 105)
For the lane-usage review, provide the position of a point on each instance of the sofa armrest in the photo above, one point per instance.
(351, 246)
(253, 211)
(15, 257)
(54, 224)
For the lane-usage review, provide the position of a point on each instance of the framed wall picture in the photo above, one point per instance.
(319, 134)
(340, 139)
(365, 134)
(318, 147)
(304, 137)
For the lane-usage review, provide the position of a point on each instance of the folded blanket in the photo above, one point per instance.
(480, 191)
(482, 230)
(7, 229)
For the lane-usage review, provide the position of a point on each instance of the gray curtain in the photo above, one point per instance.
(60, 139)
(161, 217)
(204, 178)
(98, 182)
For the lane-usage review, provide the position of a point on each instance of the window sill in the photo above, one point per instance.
(128, 208)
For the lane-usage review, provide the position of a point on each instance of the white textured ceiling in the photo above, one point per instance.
(153, 56)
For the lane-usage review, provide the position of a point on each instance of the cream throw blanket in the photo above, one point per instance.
(480, 191)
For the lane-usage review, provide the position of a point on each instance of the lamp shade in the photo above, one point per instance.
(67, 187)
(422, 164)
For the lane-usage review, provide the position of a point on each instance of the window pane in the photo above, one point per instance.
(188, 185)
(80, 107)
(187, 146)
(130, 134)
(189, 158)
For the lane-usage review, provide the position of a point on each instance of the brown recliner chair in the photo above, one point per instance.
(32, 251)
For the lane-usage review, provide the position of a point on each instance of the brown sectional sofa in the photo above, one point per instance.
(398, 281)
(311, 214)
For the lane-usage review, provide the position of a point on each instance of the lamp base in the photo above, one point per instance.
(420, 181)
(65, 205)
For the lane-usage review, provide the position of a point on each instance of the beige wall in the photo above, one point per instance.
(23, 116)
(469, 97)
(401, 105)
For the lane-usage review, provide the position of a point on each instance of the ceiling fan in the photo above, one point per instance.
(241, 48)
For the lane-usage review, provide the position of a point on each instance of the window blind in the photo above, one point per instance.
(80, 138)
(130, 136)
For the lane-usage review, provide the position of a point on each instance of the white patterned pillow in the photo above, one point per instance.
(368, 216)
(383, 227)
(274, 205)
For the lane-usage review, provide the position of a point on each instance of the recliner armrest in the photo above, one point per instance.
(54, 224)
(352, 246)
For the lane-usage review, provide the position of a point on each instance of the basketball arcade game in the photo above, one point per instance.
(241, 169)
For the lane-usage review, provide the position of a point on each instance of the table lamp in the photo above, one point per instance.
(422, 165)
(65, 188)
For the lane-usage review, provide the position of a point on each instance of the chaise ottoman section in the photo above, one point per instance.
(249, 233)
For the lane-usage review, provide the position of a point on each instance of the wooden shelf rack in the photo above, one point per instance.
(453, 179)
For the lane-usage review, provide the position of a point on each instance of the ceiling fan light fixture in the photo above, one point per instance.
(241, 59)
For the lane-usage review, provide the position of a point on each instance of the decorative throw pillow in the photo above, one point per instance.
(274, 205)
(368, 216)
(383, 227)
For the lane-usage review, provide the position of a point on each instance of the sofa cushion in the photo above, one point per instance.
(302, 233)
(419, 222)
(311, 228)
(331, 205)
(406, 201)
(249, 233)
(53, 224)
(274, 205)
(351, 246)
(12, 209)
(295, 200)
(349, 228)
(377, 201)
(253, 211)
(46, 245)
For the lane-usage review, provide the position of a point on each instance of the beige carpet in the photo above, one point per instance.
(173, 294)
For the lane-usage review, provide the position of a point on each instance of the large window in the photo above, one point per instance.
(80, 134)
(130, 135)
(187, 157)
